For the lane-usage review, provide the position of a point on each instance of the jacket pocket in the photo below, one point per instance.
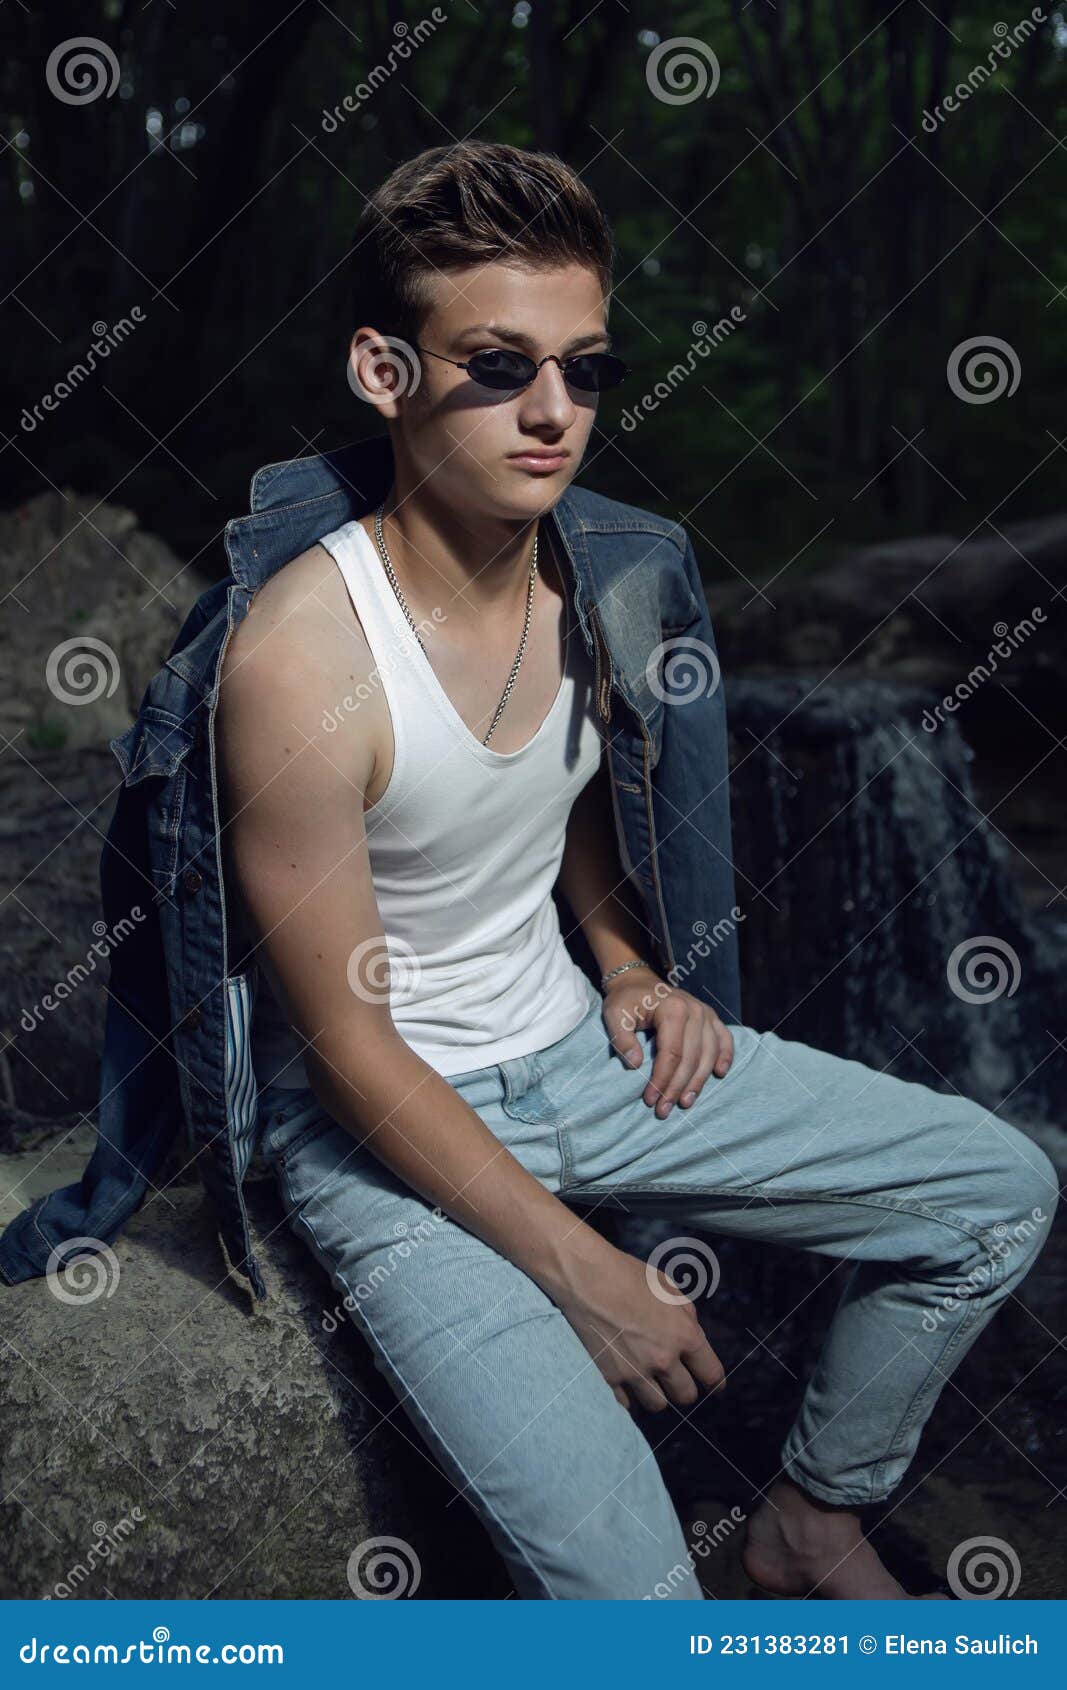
(156, 744)
(152, 755)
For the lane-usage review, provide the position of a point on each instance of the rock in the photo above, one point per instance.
(918, 610)
(89, 607)
(208, 1446)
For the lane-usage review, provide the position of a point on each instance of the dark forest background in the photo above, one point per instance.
(862, 248)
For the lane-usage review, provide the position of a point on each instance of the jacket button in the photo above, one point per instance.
(193, 1018)
(192, 880)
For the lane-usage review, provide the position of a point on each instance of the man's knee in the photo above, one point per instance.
(1010, 1192)
(1030, 1195)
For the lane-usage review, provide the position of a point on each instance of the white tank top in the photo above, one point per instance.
(464, 846)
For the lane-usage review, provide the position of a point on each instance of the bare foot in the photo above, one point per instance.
(798, 1546)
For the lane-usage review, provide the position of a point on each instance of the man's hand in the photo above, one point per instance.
(691, 1042)
(642, 1333)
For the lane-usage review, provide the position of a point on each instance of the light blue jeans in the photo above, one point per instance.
(940, 1205)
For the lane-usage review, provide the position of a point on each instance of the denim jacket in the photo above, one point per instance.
(177, 1037)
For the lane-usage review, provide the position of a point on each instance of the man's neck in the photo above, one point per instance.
(483, 562)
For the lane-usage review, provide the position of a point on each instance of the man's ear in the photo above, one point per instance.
(381, 369)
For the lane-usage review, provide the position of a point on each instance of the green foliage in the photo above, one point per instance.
(817, 183)
(48, 734)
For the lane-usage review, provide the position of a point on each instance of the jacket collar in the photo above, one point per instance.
(296, 502)
(345, 483)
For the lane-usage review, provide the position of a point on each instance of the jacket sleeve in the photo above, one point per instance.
(139, 1109)
(696, 838)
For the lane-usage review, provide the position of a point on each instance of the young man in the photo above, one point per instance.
(411, 754)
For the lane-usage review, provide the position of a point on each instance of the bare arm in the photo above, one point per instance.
(691, 1040)
(297, 854)
(592, 879)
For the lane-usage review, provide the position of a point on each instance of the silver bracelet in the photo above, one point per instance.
(638, 962)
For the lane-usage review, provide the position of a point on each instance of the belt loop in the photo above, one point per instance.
(518, 1076)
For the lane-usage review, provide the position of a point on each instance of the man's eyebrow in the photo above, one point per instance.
(514, 337)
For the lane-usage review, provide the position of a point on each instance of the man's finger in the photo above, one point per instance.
(677, 1056)
(721, 1066)
(621, 1025)
(695, 1084)
(679, 1385)
(705, 1365)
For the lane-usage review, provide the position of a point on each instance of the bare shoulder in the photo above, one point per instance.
(298, 651)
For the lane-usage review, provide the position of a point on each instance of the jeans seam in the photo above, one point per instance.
(944, 1217)
(952, 1341)
(302, 1219)
(549, 1125)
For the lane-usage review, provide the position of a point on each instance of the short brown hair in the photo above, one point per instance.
(469, 203)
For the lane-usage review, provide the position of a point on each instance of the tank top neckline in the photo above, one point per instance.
(402, 627)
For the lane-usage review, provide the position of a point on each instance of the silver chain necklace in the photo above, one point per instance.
(379, 536)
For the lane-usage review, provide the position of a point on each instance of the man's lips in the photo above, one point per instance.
(545, 458)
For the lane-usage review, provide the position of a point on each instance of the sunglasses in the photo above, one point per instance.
(506, 371)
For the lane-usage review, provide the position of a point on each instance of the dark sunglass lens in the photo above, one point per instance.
(501, 369)
(592, 372)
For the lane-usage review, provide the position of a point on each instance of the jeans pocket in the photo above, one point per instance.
(304, 1135)
(289, 1116)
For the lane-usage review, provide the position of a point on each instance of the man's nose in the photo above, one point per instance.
(548, 397)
